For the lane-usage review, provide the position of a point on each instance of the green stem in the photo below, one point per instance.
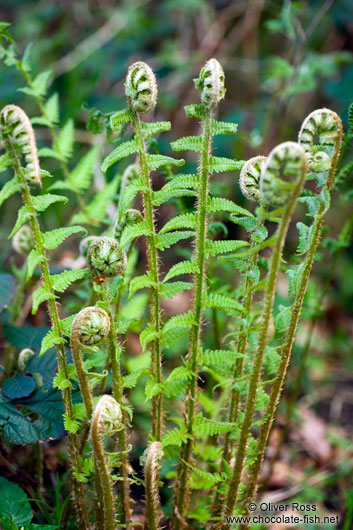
(152, 256)
(78, 490)
(124, 486)
(103, 478)
(262, 341)
(181, 496)
(288, 345)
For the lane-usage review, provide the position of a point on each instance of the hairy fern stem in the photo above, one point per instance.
(79, 496)
(152, 256)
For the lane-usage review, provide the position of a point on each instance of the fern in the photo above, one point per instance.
(169, 290)
(122, 151)
(64, 279)
(54, 238)
(164, 241)
(187, 220)
(182, 182)
(189, 143)
(157, 161)
(183, 267)
(221, 247)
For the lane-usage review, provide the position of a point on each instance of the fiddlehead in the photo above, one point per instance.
(211, 84)
(249, 178)
(319, 136)
(130, 217)
(282, 179)
(280, 173)
(106, 420)
(90, 326)
(105, 258)
(23, 358)
(152, 469)
(21, 132)
(141, 88)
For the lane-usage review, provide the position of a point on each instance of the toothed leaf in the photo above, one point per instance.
(188, 143)
(183, 267)
(64, 279)
(54, 238)
(187, 220)
(167, 240)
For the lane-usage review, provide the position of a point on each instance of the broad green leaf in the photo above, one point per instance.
(18, 387)
(14, 504)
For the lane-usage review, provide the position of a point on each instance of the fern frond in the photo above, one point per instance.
(221, 164)
(218, 204)
(169, 290)
(54, 238)
(218, 357)
(162, 196)
(187, 143)
(180, 373)
(182, 181)
(120, 117)
(9, 188)
(176, 437)
(129, 195)
(95, 211)
(39, 296)
(157, 161)
(64, 279)
(50, 340)
(148, 335)
(224, 303)
(149, 129)
(122, 151)
(183, 267)
(204, 427)
(187, 220)
(23, 215)
(221, 247)
(65, 142)
(141, 282)
(80, 176)
(183, 321)
(223, 127)
(195, 111)
(33, 260)
(42, 202)
(131, 380)
(167, 240)
(134, 231)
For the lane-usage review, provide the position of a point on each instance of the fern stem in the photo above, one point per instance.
(286, 350)
(152, 467)
(78, 490)
(257, 365)
(181, 497)
(124, 487)
(152, 256)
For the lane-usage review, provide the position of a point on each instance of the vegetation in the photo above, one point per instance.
(151, 305)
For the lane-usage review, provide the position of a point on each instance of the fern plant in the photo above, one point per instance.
(205, 407)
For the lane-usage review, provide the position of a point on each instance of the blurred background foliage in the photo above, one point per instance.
(282, 60)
